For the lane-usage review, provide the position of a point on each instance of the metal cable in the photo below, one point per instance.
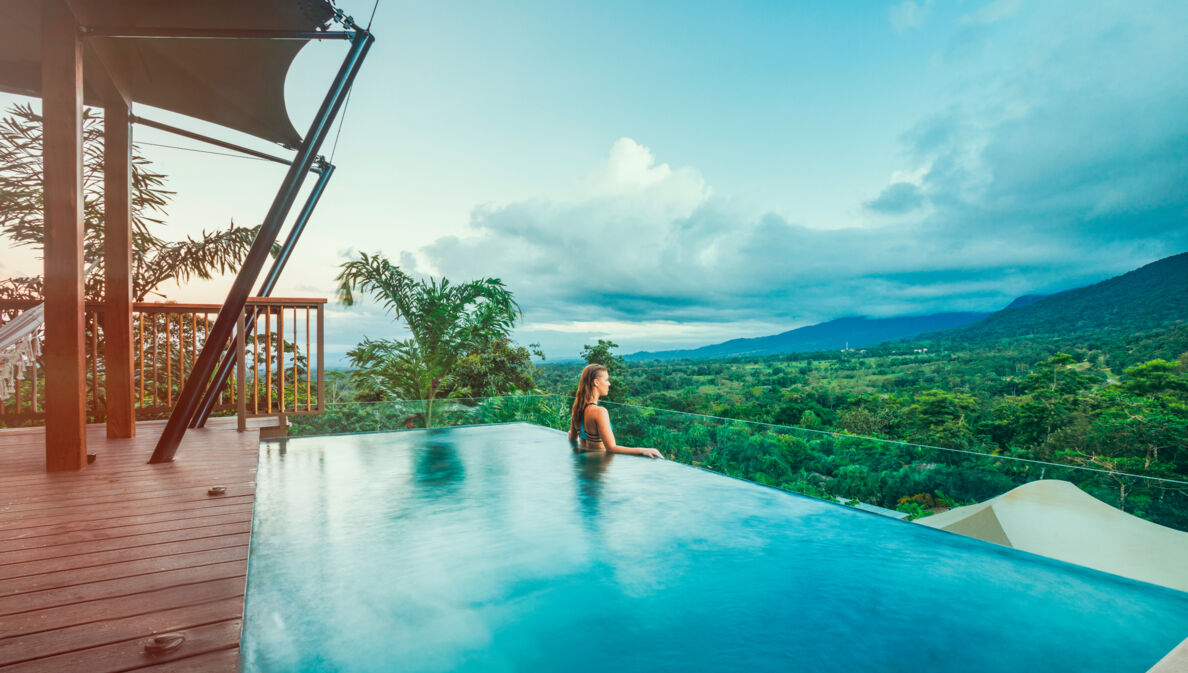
(194, 149)
(346, 105)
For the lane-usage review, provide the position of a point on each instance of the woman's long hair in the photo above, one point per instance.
(585, 393)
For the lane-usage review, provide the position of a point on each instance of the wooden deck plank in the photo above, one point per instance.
(222, 660)
(194, 475)
(119, 532)
(117, 607)
(105, 494)
(132, 521)
(99, 514)
(130, 654)
(79, 566)
(93, 562)
(103, 545)
(128, 473)
(72, 638)
(92, 583)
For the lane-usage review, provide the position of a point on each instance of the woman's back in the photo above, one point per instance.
(588, 423)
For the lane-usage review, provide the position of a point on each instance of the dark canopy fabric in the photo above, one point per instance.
(237, 83)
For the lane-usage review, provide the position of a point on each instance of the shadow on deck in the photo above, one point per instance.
(93, 563)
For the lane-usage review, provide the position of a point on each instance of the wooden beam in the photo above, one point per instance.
(117, 265)
(64, 355)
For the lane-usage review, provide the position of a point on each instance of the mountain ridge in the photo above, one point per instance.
(1151, 296)
(852, 331)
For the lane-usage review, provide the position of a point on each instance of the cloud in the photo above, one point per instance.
(1057, 163)
(993, 12)
(644, 254)
(908, 14)
(1081, 134)
(631, 171)
(897, 198)
(654, 331)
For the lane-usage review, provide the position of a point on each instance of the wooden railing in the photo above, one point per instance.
(295, 386)
(283, 360)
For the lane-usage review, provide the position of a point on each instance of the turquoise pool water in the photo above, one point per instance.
(497, 549)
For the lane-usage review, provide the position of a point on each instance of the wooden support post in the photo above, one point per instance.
(241, 372)
(65, 345)
(117, 262)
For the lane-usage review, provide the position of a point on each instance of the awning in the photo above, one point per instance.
(1056, 519)
(237, 83)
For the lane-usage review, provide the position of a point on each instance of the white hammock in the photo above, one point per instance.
(20, 344)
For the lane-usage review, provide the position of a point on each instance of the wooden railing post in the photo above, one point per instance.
(241, 371)
(321, 359)
(280, 359)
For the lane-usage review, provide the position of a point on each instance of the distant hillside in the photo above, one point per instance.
(1147, 298)
(1026, 300)
(832, 335)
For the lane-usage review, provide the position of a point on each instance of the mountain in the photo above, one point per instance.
(1147, 298)
(833, 335)
(1026, 300)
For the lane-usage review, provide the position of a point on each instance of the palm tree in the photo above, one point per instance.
(445, 322)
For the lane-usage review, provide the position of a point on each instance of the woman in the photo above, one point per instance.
(589, 424)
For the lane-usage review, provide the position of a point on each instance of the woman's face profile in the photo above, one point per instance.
(602, 383)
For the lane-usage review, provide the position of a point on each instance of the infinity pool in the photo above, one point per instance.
(497, 549)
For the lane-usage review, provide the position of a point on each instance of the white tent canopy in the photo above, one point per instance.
(20, 343)
(1056, 519)
(19, 347)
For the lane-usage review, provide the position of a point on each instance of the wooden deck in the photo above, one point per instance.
(93, 563)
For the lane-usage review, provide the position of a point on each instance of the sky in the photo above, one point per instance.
(669, 175)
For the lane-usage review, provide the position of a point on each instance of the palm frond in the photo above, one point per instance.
(446, 321)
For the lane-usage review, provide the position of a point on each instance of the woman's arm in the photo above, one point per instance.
(608, 438)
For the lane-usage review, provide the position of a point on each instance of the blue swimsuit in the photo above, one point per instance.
(589, 437)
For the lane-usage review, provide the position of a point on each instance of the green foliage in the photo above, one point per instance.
(446, 321)
(1157, 377)
(546, 410)
(1114, 402)
(602, 353)
(501, 367)
(913, 509)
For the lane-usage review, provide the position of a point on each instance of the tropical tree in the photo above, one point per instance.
(501, 367)
(155, 260)
(603, 353)
(446, 321)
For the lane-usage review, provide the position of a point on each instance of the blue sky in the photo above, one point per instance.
(675, 174)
